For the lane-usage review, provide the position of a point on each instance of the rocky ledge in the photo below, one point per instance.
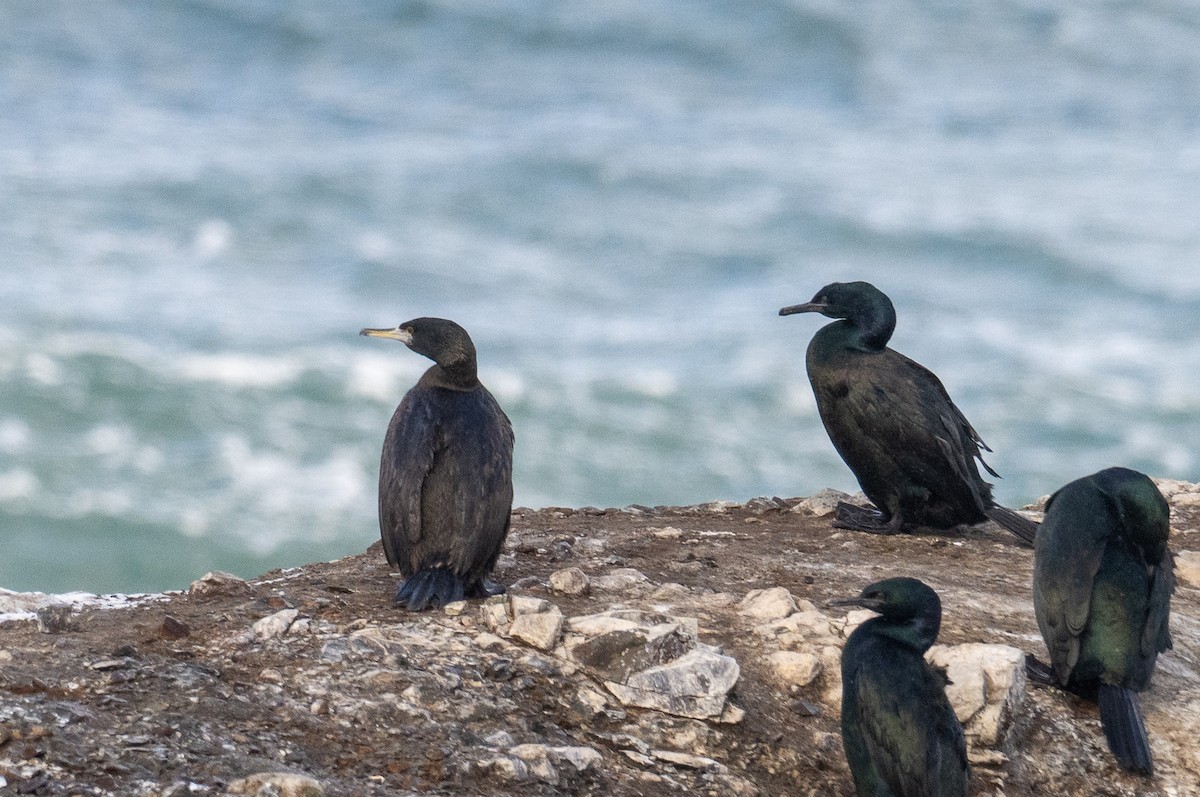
(640, 651)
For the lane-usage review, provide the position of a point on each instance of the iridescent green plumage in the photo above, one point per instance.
(1102, 583)
(892, 421)
(900, 734)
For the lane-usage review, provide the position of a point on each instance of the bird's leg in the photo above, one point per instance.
(486, 588)
(861, 518)
(1039, 672)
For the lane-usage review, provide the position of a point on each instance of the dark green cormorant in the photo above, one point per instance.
(900, 733)
(893, 423)
(445, 477)
(1102, 584)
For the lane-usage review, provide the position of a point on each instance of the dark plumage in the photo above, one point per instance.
(445, 477)
(912, 450)
(1102, 584)
(900, 733)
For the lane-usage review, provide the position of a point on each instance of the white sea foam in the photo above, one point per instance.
(242, 370)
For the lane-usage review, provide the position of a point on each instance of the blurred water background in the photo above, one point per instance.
(202, 202)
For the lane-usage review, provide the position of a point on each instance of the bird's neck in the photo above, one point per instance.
(918, 633)
(845, 335)
(461, 375)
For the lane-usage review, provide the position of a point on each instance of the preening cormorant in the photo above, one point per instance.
(912, 451)
(445, 477)
(900, 734)
(1102, 584)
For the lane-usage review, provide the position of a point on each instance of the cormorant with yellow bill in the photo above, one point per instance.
(445, 477)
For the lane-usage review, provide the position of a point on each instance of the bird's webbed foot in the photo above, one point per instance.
(1039, 672)
(486, 588)
(862, 518)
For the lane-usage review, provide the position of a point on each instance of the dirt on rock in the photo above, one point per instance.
(311, 671)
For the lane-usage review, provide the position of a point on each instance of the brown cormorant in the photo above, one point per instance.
(900, 734)
(445, 477)
(912, 451)
(1102, 584)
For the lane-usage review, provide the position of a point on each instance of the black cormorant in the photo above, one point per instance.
(900, 734)
(1102, 584)
(445, 477)
(893, 423)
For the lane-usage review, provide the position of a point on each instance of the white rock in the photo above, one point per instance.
(768, 604)
(693, 685)
(571, 581)
(689, 761)
(524, 604)
(277, 784)
(821, 503)
(544, 761)
(987, 687)
(622, 578)
(854, 619)
(488, 641)
(494, 614)
(1186, 499)
(217, 581)
(542, 631)
(1187, 567)
(794, 668)
(274, 625)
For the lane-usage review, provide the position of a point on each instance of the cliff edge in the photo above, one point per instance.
(640, 651)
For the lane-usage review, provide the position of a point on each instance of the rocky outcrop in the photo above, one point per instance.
(642, 651)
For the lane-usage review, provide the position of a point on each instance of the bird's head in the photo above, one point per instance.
(860, 303)
(439, 339)
(1139, 506)
(898, 600)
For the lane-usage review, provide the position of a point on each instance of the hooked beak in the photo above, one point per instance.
(874, 604)
(402, 335)
(807, 307)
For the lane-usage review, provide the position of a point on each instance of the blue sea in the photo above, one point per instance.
(202, 202)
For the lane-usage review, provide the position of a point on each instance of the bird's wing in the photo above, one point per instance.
(1156, 636)
(409, 450)
(482, 456)
(913, 737)
(964, 440)
(1069, 550)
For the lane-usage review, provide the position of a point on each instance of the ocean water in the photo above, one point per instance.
(202, 202)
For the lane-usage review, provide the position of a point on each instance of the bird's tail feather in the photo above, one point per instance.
(1121, 717)
(1015, 522)
(432, 587)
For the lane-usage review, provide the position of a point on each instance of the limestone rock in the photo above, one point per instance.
(1187, 567)
(276, 784)
(794, 668)
(986, 689)
(218, 582)
(524, 604)
(570, 581)
(694, 685)
(494, 614)
(54, 618)
(617, 654)
(546, 763)
(768, 604)
(541, 630)
(620, 579)
(821, 503)
(274, 625)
